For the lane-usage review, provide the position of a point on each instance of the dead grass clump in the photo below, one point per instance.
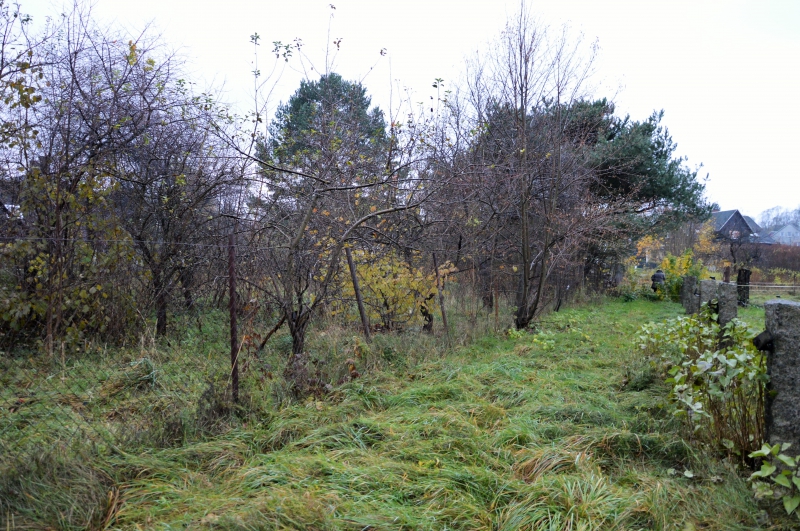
(488, 415)
(536, 463)
(138, 375)
(665, 449)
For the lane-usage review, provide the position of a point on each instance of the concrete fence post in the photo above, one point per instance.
(727, 297)
(708, 291)
(743, 283)
(782, 343)
(689, 296)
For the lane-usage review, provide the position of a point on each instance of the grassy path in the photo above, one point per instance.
(559, 430)
(563, 429)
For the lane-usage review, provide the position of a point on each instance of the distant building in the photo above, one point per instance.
(786, 235)
(733, 226)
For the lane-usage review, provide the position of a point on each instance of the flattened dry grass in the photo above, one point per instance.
(503, 434)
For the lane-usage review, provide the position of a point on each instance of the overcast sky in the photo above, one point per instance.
(726, 72)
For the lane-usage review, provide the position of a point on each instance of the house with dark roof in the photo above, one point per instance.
(733, 226)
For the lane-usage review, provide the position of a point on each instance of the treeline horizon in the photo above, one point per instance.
(122, 188)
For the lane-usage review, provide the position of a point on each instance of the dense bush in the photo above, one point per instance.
(396, 292)
(675, 268)
(718, 384)
(775, 275)
(717, 378)
(631, 291)
(631, 288)
(779, 256)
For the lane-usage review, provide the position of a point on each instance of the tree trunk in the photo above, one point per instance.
(160, 290)
(296, 371)
(427, 315)
(526, 312)
(233, 323)
(297, 329)
(439, 288)
(488, 280)
(523, 317)
(187, 276)
(357, 291)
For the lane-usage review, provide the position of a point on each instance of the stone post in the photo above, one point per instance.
(743, 281)
(688, 296)
(783, 367)
(728, 299)
(708, 291)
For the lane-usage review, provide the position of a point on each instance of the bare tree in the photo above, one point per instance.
(328, 173)
(175, 187)
(97, 97)
(534, 175)
(119, 160)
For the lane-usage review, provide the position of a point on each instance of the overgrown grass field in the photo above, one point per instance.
(563, 429)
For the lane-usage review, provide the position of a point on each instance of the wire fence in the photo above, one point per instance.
(770, 287)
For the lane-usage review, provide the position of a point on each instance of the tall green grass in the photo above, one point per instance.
(561, 429)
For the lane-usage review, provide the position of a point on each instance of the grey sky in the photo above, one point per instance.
(727, 73)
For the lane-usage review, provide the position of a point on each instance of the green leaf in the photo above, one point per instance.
(764, 452)
(786, 460)
(790, 504)
(765, 472)
(783, 481)
(796, 481)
